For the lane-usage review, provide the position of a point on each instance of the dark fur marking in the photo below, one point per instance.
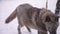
(47, 19)
(38, 21)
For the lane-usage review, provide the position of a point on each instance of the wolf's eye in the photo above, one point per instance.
(47, 19)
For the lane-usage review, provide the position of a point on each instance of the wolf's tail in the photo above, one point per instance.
(11, 17)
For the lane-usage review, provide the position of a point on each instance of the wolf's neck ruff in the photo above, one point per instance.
(38, 19)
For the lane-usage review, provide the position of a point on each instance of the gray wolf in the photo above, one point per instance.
(40, 19)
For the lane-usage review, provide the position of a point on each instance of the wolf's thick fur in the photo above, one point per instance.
(41, 19)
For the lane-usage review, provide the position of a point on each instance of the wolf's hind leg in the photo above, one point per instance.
(28, 29)
(19, 29)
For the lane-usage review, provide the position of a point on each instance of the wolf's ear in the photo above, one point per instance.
(47, 19)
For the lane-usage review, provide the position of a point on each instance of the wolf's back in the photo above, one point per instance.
(11, 17)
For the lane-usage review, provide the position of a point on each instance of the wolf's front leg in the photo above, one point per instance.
(41, 31)
(53, 32)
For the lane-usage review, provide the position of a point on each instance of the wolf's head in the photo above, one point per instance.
(50, 20)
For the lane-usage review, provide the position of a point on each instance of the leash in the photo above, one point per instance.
(46, 4)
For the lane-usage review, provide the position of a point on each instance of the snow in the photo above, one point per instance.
(7, 7)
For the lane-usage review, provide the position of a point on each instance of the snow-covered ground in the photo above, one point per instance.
(7, 7)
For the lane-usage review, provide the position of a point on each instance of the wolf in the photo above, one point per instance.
(40, 19)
